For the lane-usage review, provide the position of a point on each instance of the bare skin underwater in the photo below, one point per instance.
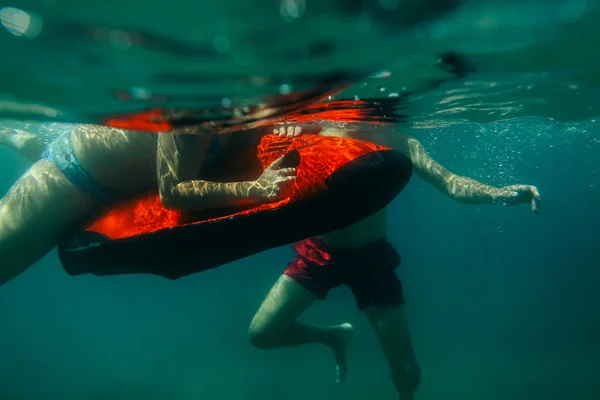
(276, 322)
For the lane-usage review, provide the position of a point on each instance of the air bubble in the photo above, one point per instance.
(141, 93)
(21, 23)
(381, 74)
(50, 112)
(285, 89)
(290, 10)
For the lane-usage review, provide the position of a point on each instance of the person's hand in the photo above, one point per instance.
(276, 184)
(519, 194)
(289, 131)
(292, 131)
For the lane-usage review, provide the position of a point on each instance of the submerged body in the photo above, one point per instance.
(361, 248)
(89, 167)
(44, 203)
(361, 258)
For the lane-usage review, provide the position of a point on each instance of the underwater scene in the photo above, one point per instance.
(296, 199)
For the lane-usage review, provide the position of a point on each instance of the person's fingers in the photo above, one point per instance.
(289, 131)
(284, 182)
(276, 164)
(536, 193)
(285, 179)
(536, 202)
(286, 172)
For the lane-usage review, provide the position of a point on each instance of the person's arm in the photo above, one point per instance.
(459, 188)
(464, 189)
(179, 159)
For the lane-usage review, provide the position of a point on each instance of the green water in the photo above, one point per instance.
(502, 303)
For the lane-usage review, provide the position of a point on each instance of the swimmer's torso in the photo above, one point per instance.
(374, 227)
(367, 231)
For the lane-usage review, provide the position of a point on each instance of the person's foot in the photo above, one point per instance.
(343, 335)
(27, 144)
(6, 135)
(15, 138)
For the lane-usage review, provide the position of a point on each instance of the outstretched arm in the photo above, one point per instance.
(464, 189)
(179, 160)
(459, 188)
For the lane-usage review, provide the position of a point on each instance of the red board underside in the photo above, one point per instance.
(319, 158)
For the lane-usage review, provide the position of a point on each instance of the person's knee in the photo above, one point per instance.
(260, 335)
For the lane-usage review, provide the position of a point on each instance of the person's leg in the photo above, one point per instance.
(35, 212)
(27, 144)
(275, 324)
(391, 326)
(379, 293)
